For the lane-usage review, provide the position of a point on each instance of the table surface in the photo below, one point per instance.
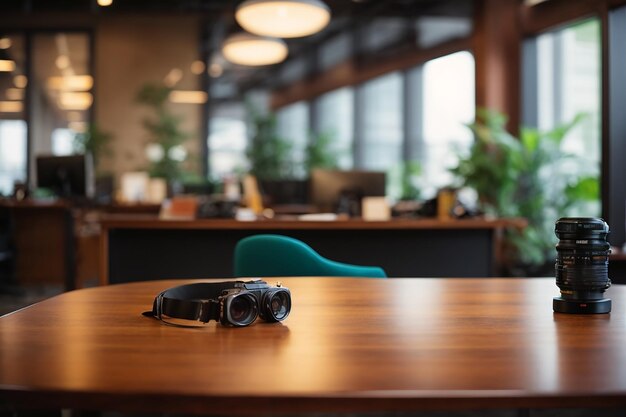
(113, 221)
(349, 345)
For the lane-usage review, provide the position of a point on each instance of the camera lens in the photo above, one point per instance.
(582, 265)
(276, 304)
(242, 310)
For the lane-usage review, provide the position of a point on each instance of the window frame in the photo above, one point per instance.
(29, 34)
(552, 14)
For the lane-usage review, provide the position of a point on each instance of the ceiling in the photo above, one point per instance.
(348, 15)
(353, 8)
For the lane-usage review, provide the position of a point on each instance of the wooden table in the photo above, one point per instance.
(350, 345)
(143, 248)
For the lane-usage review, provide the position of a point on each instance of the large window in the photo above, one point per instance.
(335, 118)
(447, 106)
(293, 126)
(418, 115)
(61, 92)
(380, 102)
(227, 140)
(567, 69)
(60, 98)
(12, 154)
(13, 131)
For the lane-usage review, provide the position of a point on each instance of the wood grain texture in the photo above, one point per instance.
(549, 15)
(348, 345)
(497, 52)
(149, 222)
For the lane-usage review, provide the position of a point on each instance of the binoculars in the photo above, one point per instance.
(232, 303)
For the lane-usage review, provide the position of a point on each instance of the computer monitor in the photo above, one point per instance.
(328, 185)
(68, 176)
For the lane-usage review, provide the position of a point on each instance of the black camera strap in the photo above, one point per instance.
(199, 301)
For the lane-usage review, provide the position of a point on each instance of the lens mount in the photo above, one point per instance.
(275, 304)
(562, 305)
(239, 309)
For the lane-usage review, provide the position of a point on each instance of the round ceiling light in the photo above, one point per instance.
(283, 18)
(245, 49)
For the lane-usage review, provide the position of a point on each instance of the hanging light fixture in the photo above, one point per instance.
(283, 18)
(246, 49)
(7, 65)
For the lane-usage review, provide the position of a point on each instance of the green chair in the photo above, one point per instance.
(279, 256)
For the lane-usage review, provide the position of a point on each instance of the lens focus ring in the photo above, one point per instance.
(582, 256)
(241, 310)
(276, 304)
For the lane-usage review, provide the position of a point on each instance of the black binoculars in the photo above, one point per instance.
(232, 303)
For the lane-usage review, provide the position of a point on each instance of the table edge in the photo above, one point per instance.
(372, 401)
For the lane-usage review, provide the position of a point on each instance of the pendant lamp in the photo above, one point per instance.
(251, 50)
(283, 18)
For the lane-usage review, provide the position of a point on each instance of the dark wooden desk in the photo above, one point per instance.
(144, 248)
(45, 243)
(349, 345)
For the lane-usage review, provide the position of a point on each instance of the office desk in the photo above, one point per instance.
(43, 235)
(144, 248)
(349, 345)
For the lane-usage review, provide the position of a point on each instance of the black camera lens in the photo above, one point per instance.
(276, 304)
(242, 310)
(582, 265)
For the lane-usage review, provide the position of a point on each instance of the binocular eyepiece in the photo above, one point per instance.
(242, 305)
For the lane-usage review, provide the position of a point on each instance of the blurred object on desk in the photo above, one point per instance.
(284, 192)
(333, 190)
(375, 209)
(294, 209)
(252, 195)
(217, 206)
(319, 217)
(446, 199)
(179, 208)
(133, 187)
(157, 190)
(244, 214)
(138, 187)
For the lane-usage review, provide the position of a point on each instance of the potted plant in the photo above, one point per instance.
(268, 153)
(320, 153)
(165, 150)
(523, 177)
(270, 160)
(95, 142)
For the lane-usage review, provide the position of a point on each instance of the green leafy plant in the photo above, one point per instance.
(165, 149)
(411, 171)
(402, 181)
(320, 152)
(94, 141)
(525, 177)
(268, 153)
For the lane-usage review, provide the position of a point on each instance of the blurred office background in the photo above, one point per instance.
(159, 87)
(385, 82)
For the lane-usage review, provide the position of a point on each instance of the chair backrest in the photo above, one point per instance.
(276, 256)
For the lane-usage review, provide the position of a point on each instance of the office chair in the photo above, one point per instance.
(276, 255)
